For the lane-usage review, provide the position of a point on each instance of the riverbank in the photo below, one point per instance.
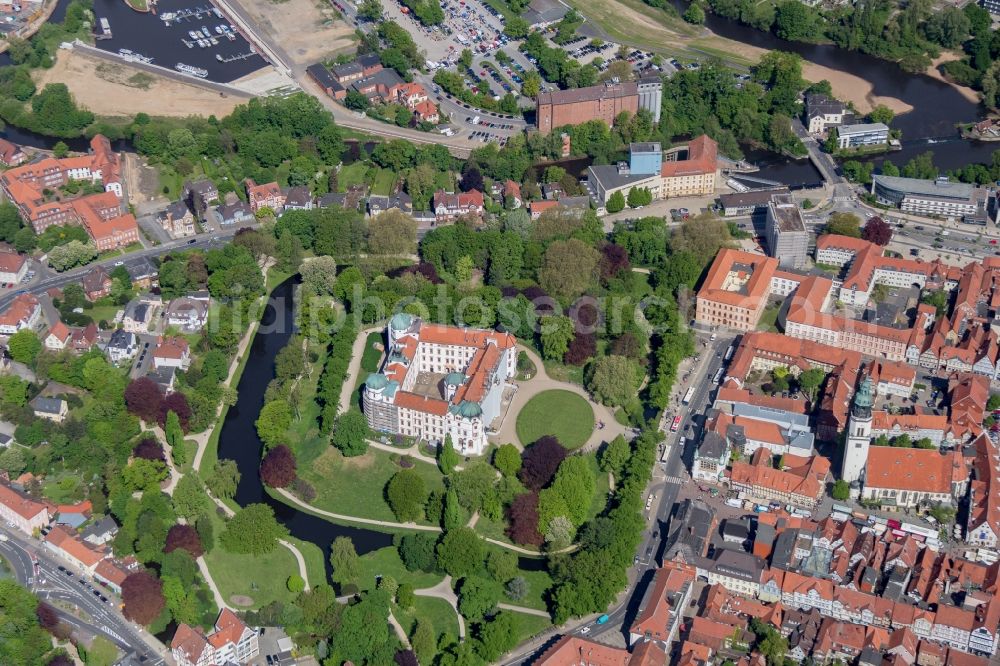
(935, 73)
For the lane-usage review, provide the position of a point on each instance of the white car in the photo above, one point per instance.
(585, 630)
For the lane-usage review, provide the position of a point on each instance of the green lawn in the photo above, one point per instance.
(354, 486)
(769, 318)
(260, 577)
(315, 560)
(372, 356)
(561, 413)
(384, 182)
(352, 174)
(529, 625)
(386, 562)
(538, 583)
(437, 611)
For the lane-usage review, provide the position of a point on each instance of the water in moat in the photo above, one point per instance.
(239, 441)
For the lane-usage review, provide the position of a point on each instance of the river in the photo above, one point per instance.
(239, 441)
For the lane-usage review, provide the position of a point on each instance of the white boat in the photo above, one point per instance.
(193, 71)
(188, 44)
(125, 53)
(214, 40)
(218, 29)
(192, 34)
(168, 16)
(218, 56)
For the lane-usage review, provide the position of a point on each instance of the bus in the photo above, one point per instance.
(729, 353)
(688, 396)
(676, 424)
(718, 376)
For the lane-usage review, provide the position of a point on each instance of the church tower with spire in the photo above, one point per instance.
(859, 433)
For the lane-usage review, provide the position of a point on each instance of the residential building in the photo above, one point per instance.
(800, 481)
(749, 428)
(380, 87)
(427, 112)
(74, 515)
(465, 403)
(736, 290)
(123, 346)
(70, 548)
(58, 337)
(96, 283)
(173, 352)
(268, 195)
(23, 312)
(83, 339)
(904, 478)
(511, 193)
(138, 316)
(378, 204)
(297, 198)
(52, 409)
(11, 155)
(734, 570)
(578, 105)
(753, 202)
(862, 134)
(189, 313)
(100, 531)
(13, 268)
(940, 198)
(449, 206)
(200, 194)
(662, 609)
(113, 572)
(574, 205)
(230, 642)
(713, 455)
(823, 112)
(787, 237)
(237, 213)
(25, 513)
(177, 220)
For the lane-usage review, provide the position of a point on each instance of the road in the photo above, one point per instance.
(668, 476)
(46, 278)
(38, 570)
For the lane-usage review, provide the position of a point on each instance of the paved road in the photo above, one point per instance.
(46, 279)
(37, 569)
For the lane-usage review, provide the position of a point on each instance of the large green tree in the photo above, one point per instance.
(406, 493)
(252, 531)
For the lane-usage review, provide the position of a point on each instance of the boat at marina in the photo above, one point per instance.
(192, 70)
(193, 35)
(214, 40)
(133, 56)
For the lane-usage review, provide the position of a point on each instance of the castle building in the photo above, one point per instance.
(438, 381)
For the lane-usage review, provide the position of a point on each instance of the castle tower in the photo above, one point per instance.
(859, 433)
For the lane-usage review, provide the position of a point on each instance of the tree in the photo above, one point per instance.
(614, 380)
(277, 469)
(423, 642)
(448, 459)
(406, 494)
(452, 515)
(507, 459)
(472, 178)
(499, 635)
(810, 380)
(189, 497)
(702, 236)
(319, 275)
(615, 203)
(363, 636)
(615, 455)
(350, 433)
(24, 346)
(517, 588)
(478, 597)
(252, 531)
(556, 332)
(522, 518)
(502, 565)
(185, 537)
(993, 402)
(405, 596)
(344, 560)
(574, 483)
(355, 100)
(142, 594)
(540, 461)
(273, 422)
(460, 552)
(473, 484)
(417, 551)
(143, 398)
(392, 232)
(638, 197)
(841, 490)
(844, 224)
(224, 479)
(149, 449)
(694, 14)
(881, 114)
(877, 231)
(295, 584)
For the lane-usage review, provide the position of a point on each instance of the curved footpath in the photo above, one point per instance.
(354, 369)
(444, 591)
(540, 383)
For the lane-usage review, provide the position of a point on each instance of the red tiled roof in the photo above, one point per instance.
(228, 629)
(804, 476)
(10, 262)
(174, 347)
(701, 159)
(20, 310)
(921, 470)
(23, 506)
(757, 287)
(189, 641)
(68, 543)
(421, 403)
(575, 651)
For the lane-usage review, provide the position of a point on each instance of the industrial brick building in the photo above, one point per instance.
(601, 102)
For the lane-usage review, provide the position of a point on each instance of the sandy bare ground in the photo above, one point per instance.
(114, 89)
(932, 71)
(306, 30)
